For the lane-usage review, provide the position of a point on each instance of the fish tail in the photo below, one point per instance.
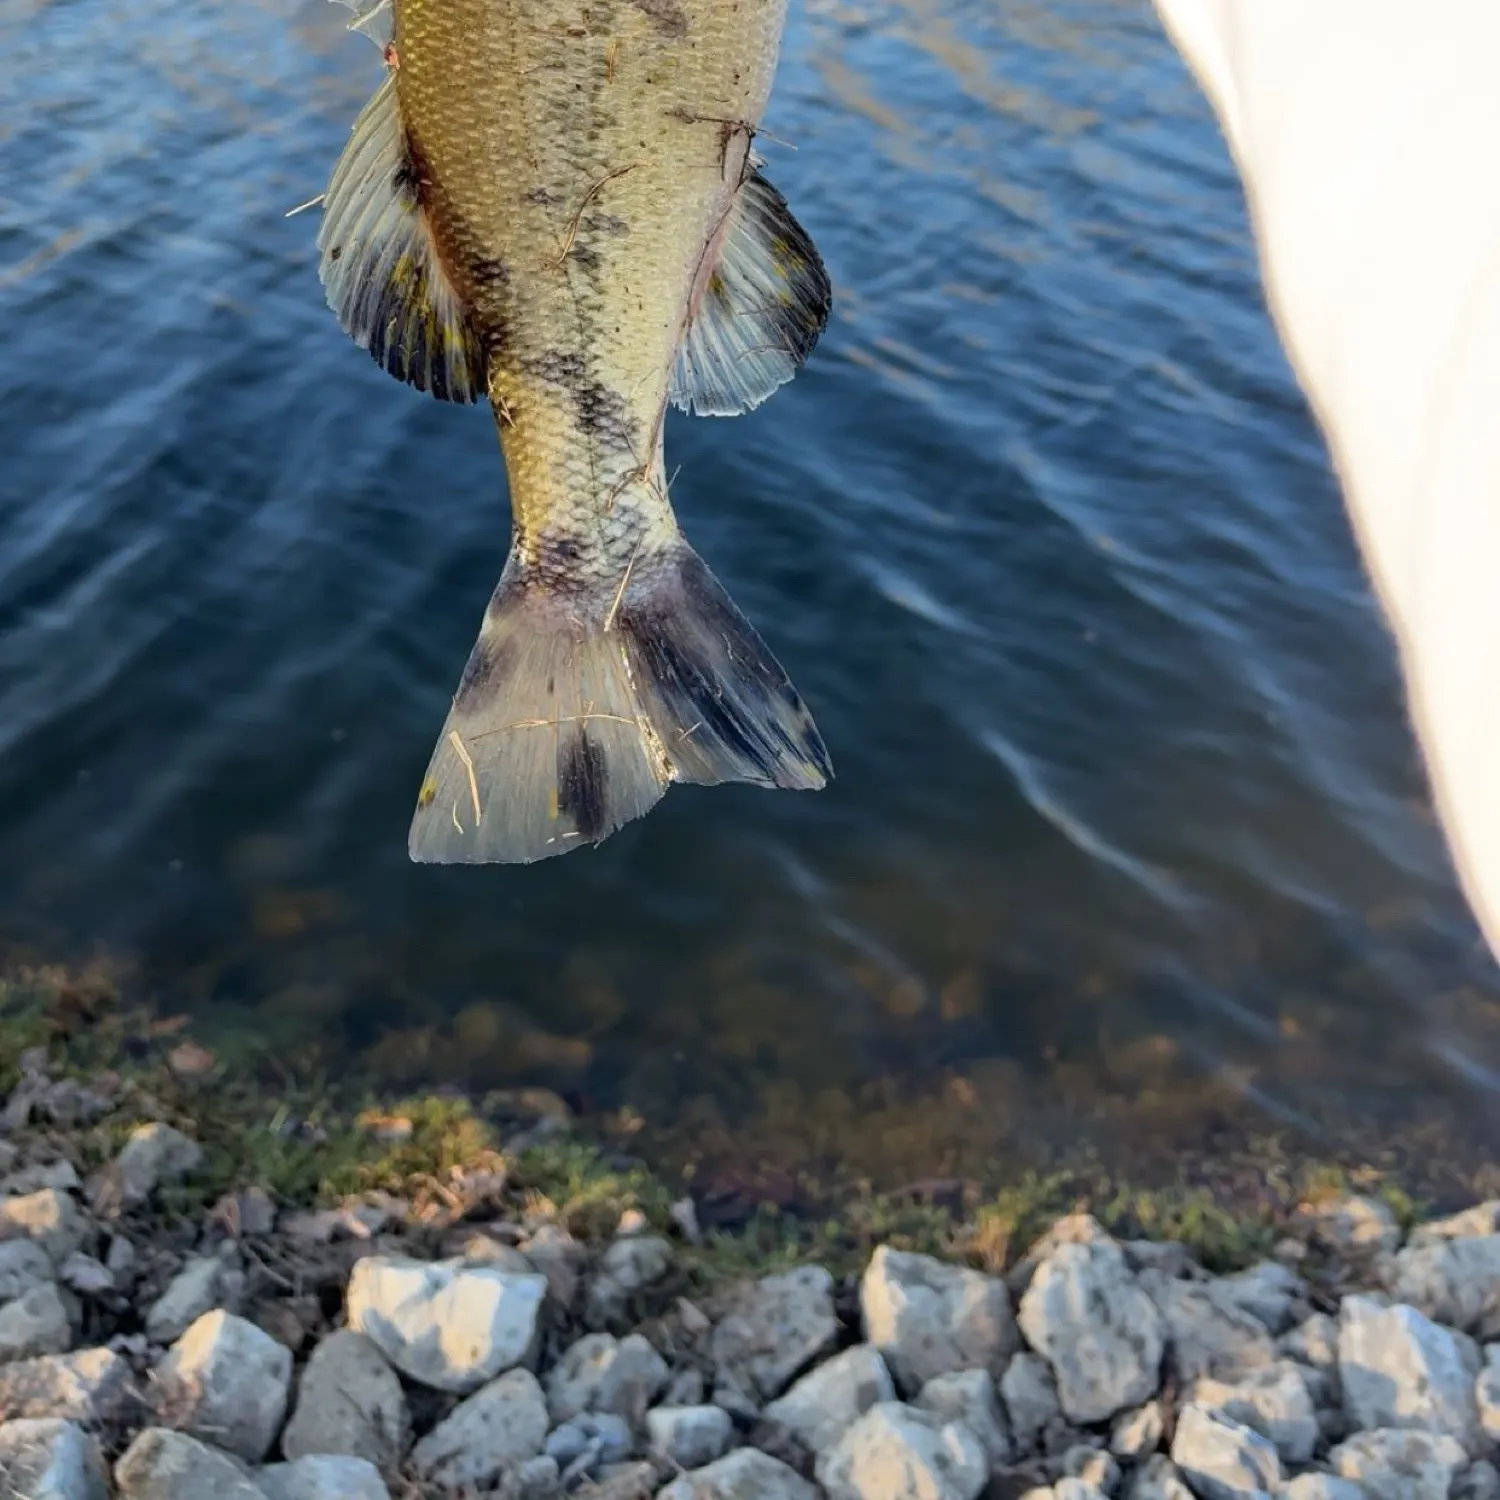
(582, 702)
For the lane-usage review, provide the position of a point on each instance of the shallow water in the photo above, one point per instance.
(1127, 819)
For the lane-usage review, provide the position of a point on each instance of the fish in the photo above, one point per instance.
(556, 207)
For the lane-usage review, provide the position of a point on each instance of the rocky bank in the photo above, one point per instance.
(474, 1346)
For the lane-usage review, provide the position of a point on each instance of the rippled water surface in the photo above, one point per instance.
(1126, 808)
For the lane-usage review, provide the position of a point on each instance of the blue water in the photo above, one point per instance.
(1044, 535)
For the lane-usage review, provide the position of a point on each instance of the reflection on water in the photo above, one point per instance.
(1128, 830)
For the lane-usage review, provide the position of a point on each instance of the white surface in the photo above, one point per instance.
(1367, 133)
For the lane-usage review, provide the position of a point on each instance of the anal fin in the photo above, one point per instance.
(759, 306)
(380, 267)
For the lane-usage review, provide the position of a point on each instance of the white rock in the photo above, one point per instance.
(745, 1474)
(1102, 1335)
(1388, 1464)
(927, 1318)
(1208, 1335)
(93, 1385)
(770, 1329)
(689, 1436)
(1480, 1481)
(1069, 1487)
(225, 1381)
(24, 1266)
(154, 1154)
(1453, 1281)
(47, 1459)
(1483, 1218)
(968, 1396)
(34, 1324)
(1267, 1291)
(1314, 1342)
(629, 1266)
(535, 1479)
(1221, 1459)
(1400, 1369)
(323, 1476)
(163, 1465)
(1137, 1433)
(1354, 1226)
(1321, 1487)
(447, 1324)
(832, 1396)
(49, 1218)
(349, 1401)
(586, 1443)
(602, 1373)
(1158, 1479)
(499, 1426)
(193, 1291)
(895, 1452)
(1030, 1397)
(1274, 1402)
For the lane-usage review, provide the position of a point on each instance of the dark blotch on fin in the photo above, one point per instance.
(583, 786)
(668, 16)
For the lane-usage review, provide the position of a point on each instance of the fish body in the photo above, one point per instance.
(553, 205)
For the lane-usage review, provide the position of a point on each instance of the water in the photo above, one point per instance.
(1128, 825)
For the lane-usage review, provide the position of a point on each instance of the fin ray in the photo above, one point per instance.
(381, 270)
(575, 715)
(761, 304)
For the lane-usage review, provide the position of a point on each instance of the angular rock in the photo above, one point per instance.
(1030, 1398)
(1353, 1226)
(1314, 1342)
(1208, 1335)
(1482, 1219)
(323, 1476)
(1137, 1433)
(154, 1154)
(536, 1479)
(1091, 1466)
(769, 1329)
(1102, 1335)
(1267, 1291)
(85, 1275)
(585, 1444)
(1400, 1369)
(34, 1324)
(24, 1266)
(48, 1459)
(1487, 1394)
(603, 1373)
(1392, 1464)
(193, 1291)
(557, 1255)
(686, 1388)
(1274, 1402)
(968, 1396)
(894, 1452)
(624, 1482)
(1158, 1479)
(745, 1474)
(689, 1436)
(628, 1267)
(1480, 1481)
(225, 1381)
(1452, 1281)
(1069, 1487)
(446, 1324)
(499, 1426)
(49, 1218)
(1321, 1487)
(349, 1401)
(832, 1396)
(1221, 1459)
(93, 1385)
(163, 1465)
(927, 1318)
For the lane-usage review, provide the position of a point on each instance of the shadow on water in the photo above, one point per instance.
(1128, 837)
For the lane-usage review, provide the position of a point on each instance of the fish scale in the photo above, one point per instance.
(553, 204)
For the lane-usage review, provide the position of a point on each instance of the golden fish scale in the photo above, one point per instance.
(575, 157)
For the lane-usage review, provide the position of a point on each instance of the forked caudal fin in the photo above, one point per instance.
(575, 713)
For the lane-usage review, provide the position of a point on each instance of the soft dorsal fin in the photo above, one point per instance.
(375, 19)
(759, 306)
(381, 270)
